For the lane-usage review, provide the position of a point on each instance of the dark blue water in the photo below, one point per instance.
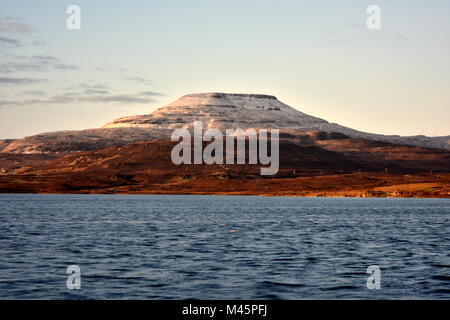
(210, 247)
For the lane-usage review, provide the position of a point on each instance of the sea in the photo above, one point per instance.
(55, 246)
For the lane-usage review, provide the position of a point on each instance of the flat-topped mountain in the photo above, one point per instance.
(217, 110)
(221, 110)
(230, 110)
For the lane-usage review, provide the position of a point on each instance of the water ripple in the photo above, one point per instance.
(201, 247)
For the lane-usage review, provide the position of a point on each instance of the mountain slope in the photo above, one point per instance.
(306, 168)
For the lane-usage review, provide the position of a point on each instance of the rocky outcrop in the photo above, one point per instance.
(4, 143)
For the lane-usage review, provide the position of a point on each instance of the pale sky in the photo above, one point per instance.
(131, 57)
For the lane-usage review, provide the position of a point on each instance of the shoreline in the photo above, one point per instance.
(363, 185)
(231, 194)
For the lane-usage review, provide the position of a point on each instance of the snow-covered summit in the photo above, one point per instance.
(223, 110)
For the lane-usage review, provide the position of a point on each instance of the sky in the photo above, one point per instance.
(132, 57)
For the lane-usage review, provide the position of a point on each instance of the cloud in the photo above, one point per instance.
(9, 103)
(46, 59)
(129, 99)
(35, 63)
(85, 85)
(101, 69)
(62, 66)
(139, 80)
(75, 99)
(10, 67)
(95, 91)
(7, 80)
(150, 94)
(4, 42)
(24, 63)
(12, 25)
(38, 93)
